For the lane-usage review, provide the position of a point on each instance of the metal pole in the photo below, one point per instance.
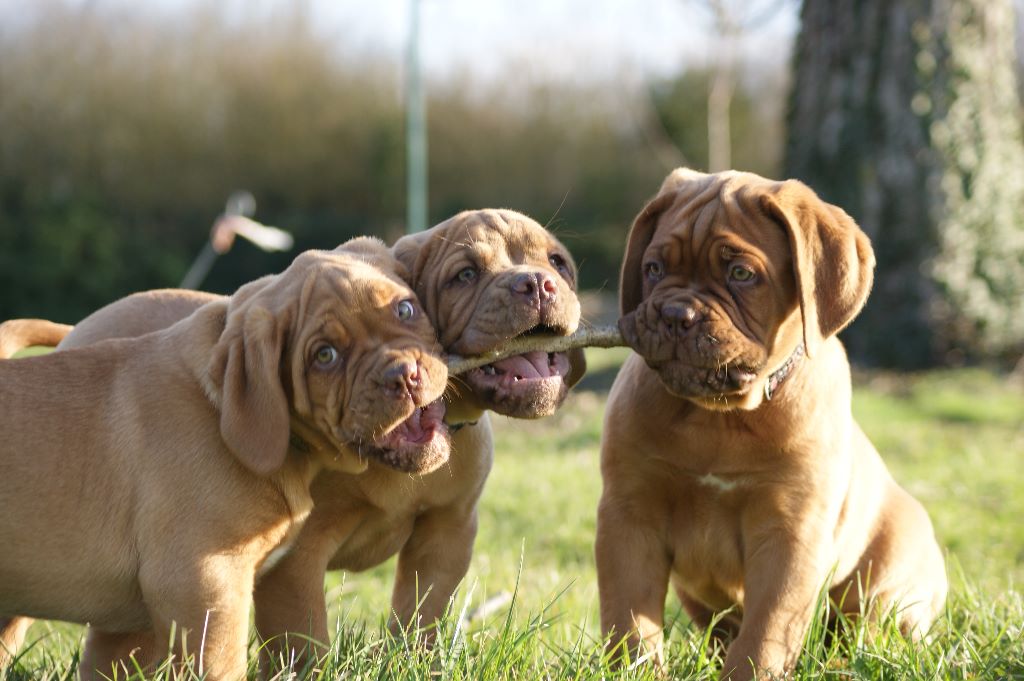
(415, 129)
(200, 267)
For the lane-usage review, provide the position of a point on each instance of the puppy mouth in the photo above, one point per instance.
(518, 372)
(418, 444)
(718, 382)
(530, 385)
(697, 365)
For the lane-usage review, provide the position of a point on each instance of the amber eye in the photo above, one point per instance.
(467, 275)
(326, 355)
(654, 270)
(741, 273)
(406, 310)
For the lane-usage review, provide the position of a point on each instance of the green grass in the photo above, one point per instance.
(955, 439)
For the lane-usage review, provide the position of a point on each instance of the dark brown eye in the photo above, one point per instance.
(558, 262)
(406, 310)
(326, 356)
(467, 275)
(741, 274)
(654, 270)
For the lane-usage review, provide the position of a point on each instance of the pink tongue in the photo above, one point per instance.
(531, 365)
(416, 428)
(412, 427)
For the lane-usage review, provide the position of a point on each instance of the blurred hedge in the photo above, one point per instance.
(121, 134)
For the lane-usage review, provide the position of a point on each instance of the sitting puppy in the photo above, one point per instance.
(732, 465)
(147, 482)
(484, 277)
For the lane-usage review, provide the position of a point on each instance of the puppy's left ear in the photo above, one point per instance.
(577, 366)
(254, 417)
(833, 263)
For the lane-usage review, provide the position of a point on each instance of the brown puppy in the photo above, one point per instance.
(732, 465)
(484, 277)
(147, 481)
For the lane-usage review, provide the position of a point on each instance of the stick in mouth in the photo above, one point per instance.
(596, 337)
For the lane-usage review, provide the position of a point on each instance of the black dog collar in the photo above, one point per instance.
(456, 427)
(780, 374)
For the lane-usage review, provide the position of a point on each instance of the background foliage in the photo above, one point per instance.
(122, 133)
(122, 136)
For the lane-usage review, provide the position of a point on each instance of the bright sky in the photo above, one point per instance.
(569, 37)
(557, 39)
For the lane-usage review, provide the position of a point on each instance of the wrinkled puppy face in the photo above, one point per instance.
(722, 275)
(336, 353)
(486, 277)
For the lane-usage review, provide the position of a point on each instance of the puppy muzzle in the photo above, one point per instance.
(413, 436)
(694, 353)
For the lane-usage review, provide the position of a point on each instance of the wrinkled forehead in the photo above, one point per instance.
(727, 213)
(504, 237)
(357, 285)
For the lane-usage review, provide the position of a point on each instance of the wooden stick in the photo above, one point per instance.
(594, 337)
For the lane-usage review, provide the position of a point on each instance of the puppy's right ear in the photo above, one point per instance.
(245, 365)
(680, 182)
(631, 277)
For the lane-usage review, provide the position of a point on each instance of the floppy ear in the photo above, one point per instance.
(833, 263)
(254, 418)
(577, 366)
(681, 181)
(631, 277)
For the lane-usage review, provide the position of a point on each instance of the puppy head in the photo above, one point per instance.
(487, 276)
(725, 274)
(335, 357)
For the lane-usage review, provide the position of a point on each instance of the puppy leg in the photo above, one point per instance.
(781, 585)
(291, 610)
(12, 635)
(902, 569)
(632, 577)
(723, 631)
(110, 656)
(430, 566)
(204, 613)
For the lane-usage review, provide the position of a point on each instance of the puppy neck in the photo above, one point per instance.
(307, 442)
(461, 408)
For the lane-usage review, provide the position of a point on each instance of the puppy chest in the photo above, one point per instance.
(707, 545)
(376, 539)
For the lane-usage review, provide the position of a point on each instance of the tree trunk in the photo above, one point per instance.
(906, 114)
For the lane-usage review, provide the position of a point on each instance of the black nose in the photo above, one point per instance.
(538, 286)
(684, 315)
(402, 378)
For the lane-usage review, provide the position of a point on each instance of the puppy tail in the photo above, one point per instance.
(18, 334)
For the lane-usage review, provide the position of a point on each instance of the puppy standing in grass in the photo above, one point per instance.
(483, 277)
(147, 482)
(732, 465)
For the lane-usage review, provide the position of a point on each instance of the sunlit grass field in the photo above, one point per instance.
(955, 439)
